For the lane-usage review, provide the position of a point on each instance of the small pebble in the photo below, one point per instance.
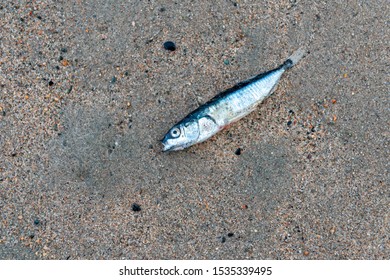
(289, 123)
(223, 239)
(238, 151)
(113, 80)
(226, 62)
(64, 50)
(36, 222)
(230, 234)
(51, 83)
(169, 45)
(306, 253)
(136, 207)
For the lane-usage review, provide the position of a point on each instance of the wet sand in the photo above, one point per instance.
(87, 90)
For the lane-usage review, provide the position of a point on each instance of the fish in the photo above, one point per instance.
(226, 107)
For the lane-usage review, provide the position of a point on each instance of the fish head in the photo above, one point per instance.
(181, 135)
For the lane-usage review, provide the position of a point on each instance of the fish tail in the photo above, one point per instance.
(294, 58)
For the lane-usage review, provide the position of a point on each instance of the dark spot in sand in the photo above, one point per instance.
(238, 151)
(136, 207)
(169, 45)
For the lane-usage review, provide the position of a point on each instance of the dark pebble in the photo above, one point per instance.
(51, 83)
(135, 207)
(230, 234)
(289, 123)
(14, 154)
(60, 58)
(39, 17)
(291, 112)
(36, 222)
(170, 46)
(64, 50)
(113, 80)
(127, 73)
(238, 151)
(3, 113)
(31, 236)
(309, 156)
(162, 9)
(223, 239)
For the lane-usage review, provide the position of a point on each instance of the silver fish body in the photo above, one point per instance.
(225, 108)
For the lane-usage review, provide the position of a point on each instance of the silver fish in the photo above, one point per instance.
(225, 108)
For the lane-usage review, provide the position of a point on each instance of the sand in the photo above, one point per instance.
(87, 90)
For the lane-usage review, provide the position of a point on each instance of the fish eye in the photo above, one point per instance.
(175, 132)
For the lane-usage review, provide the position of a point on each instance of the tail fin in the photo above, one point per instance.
(294, 58)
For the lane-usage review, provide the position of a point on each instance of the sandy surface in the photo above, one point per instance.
(87, 90)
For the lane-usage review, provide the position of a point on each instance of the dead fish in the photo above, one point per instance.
(225, 108)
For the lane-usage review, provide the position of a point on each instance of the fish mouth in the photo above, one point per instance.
(166, 147)
(169, 148)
